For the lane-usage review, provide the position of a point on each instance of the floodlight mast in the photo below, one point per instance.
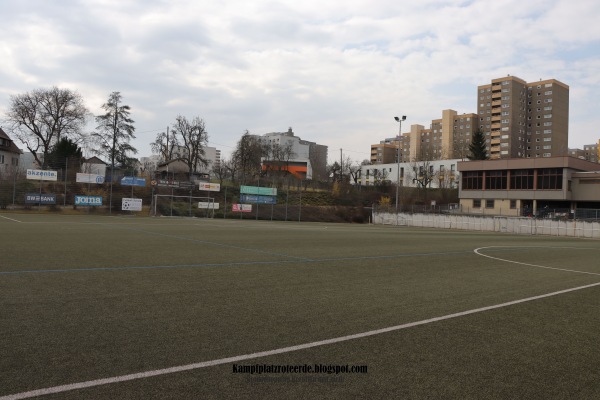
(399, 120)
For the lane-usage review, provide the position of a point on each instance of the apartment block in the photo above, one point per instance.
(446, 138)
(524, 120)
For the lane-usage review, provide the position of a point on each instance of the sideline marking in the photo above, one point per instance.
(10, 219)
(227, 360)
(476, 251)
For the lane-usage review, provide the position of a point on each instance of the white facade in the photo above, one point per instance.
(444, 173)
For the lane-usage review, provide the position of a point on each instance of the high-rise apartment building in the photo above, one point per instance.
(524, 120)
(518, 119)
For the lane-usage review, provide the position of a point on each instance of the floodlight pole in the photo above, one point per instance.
(398, 157)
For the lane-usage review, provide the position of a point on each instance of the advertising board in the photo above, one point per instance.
(241, 207)
(42, 175)
(89, 178)
(129, 204)
(211, 187)
(42, 199)
(88, 200)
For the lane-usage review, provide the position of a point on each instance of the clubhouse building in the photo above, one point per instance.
(522, 186)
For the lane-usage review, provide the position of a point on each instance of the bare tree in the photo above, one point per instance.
(221, 170)
(165, 146)
(423, 172)
(277, 159)
(248, 155)
(193, 138)
(39, 119)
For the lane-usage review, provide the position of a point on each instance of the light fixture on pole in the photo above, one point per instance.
(398, 157)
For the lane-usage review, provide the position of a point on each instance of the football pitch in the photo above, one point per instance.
(96, 307)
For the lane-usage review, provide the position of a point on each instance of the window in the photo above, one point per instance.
(546, 154)
(547, 123)
(471, 180)
(548, 92)
(547, 139)
(549, 179)
(548, 101)
(495, 180)
(547, 115)
(476, 203)
(521, 179)
(1, 159)
(15, 162)
(489, 203)
(513, 204)
(505, 105)
(547, 130)
(547, 147)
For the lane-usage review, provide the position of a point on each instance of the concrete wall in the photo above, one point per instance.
(522, 226)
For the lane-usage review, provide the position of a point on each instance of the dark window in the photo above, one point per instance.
(549, 179)
(521, 179)
(472, 180)
(495, 180)
(476, 203)
(513, 204)
(489, 204)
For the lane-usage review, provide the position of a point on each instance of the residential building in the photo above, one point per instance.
(446, 138)
(518, 119)
(443, 173)
(309, 159)
(9, 153)
(590, 152)
(522, 186)
(524, 120)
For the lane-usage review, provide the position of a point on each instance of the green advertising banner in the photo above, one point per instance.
(264, 191)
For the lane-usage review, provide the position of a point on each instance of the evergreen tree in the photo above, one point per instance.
(477, 147)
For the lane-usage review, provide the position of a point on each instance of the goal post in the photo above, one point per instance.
(183, 206)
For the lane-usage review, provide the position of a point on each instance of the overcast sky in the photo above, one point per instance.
(337, 72)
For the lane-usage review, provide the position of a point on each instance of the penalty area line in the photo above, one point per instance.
(10, 219)
(227, 360)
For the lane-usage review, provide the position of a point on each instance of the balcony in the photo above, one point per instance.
(496, 103)
(496, 87)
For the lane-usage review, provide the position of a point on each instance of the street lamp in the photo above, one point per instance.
(398, 157)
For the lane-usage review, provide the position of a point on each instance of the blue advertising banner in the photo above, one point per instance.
(36, 198)
(256, 199)
(88, 200)
(133, 181)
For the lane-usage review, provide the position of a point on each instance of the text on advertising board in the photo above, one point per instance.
(42, 175)
(88, 200)
(36, 198)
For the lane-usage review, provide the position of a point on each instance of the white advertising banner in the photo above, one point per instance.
(42, 175)
(89, 178)
(208, 205)
(211, 187)
(128, 204)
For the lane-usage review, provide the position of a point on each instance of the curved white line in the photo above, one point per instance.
(476, 251)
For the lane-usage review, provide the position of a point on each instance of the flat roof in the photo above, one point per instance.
(528, 163)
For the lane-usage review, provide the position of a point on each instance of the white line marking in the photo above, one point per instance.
(2, 216)
(476, 251)
(204, 364)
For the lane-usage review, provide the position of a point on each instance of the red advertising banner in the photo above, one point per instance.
(241, 207)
